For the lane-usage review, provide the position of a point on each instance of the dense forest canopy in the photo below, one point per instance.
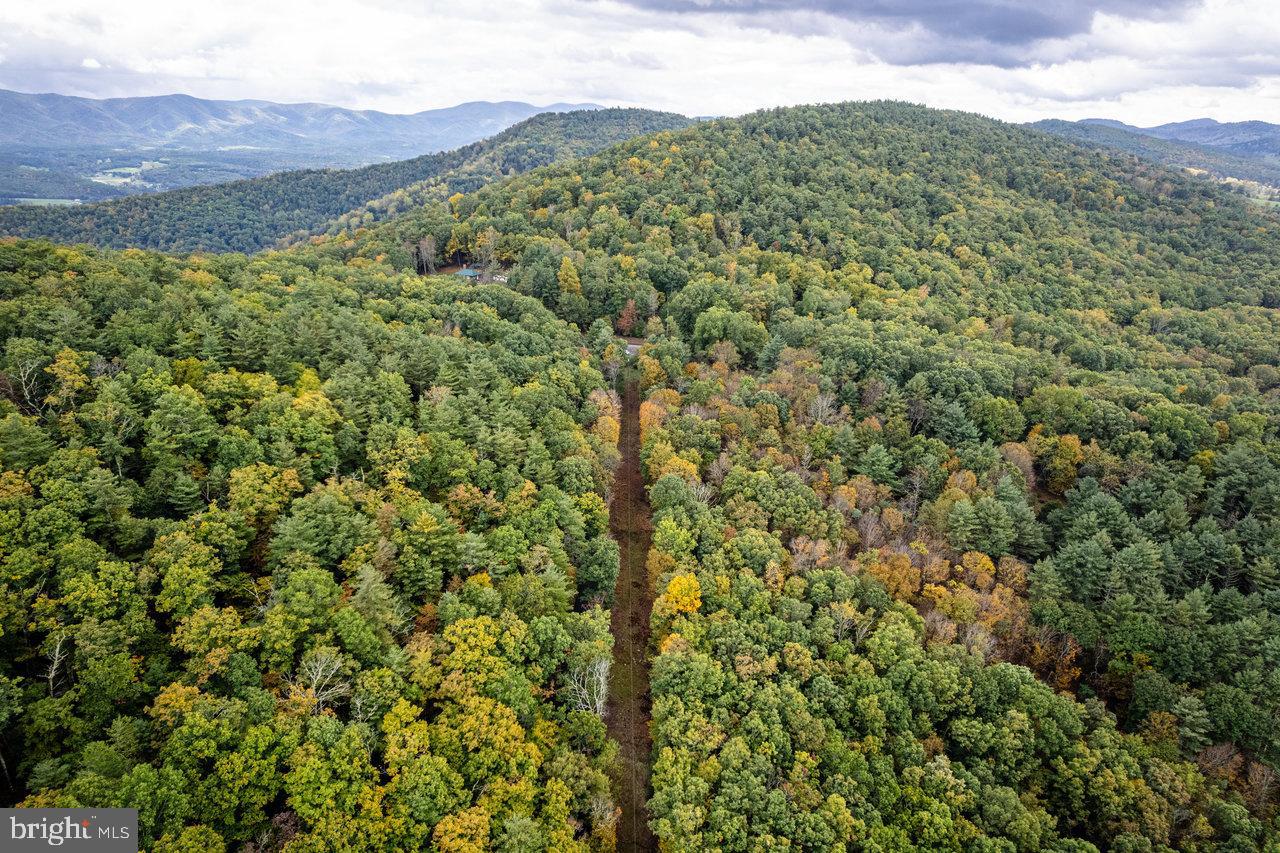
(241, 495)
(254, 214)
(962, 447)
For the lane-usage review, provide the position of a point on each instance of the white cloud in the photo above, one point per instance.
(1219, 58)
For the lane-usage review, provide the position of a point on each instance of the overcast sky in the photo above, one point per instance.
(1144, 61)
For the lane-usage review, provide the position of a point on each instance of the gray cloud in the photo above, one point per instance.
(1147, 62)
(1005, 33)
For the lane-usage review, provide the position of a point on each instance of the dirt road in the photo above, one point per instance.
(628, 709)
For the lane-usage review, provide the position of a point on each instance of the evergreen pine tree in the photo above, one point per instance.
(1193, 724)
(962, 526)
(1263, 575)
(878, 464)
(184, 494)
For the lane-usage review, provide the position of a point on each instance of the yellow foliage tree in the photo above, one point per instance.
(681, 467)
(683, 595)
(198, 278)
(568, 277)
(607, 429)
(900, 578)
(69, 378)
(651, 372)
(980, 572)
(463, 832)
(651, 417)
(657, 564)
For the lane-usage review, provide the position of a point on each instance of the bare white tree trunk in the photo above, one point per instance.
(28, 376)
(589, 686)
(321, 675)
(56, 658)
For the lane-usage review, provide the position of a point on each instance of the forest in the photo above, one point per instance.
(257, 213)
(1257, 176)
(961, 442)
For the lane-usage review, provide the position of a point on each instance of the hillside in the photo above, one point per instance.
(1249, 138)
(185, 122)
(1027, 387)
(1177, 148)
(245, 216)
(546, 139)
(61, 147)
(961, 443)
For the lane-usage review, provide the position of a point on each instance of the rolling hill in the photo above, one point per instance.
(986, 369)
(184, 122)
(62, 147)
(1246, 138)
(245, 216)
(959, 441)
(1247, 151)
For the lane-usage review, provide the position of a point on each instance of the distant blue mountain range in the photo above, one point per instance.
(184, 123)
(1229, 151)
(1246, 138)
(57, 149)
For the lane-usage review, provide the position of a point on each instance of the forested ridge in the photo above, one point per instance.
(542, 140)
(961, 443)
(1221, 164)
(254, 214)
